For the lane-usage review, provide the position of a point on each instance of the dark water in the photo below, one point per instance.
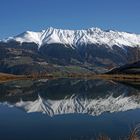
(67, 109)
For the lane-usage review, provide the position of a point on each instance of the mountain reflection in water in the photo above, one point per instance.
(74, 109)
(65, 96)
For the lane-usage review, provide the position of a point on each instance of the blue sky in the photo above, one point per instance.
(17, 16)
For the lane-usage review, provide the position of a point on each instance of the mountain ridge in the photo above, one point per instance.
(76, 37)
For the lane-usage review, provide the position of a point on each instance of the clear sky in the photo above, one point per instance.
(17, 16)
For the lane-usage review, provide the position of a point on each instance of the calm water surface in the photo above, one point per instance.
(67, 109)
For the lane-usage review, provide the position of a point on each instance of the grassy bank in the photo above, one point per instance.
(7, 77)
(116, 77)
(121, 77)
(134, 135)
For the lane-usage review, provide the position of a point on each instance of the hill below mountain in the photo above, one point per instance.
(133, 68)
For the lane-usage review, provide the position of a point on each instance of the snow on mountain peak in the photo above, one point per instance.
(76, 37)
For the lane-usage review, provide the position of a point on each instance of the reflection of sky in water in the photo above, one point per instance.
(73, 105)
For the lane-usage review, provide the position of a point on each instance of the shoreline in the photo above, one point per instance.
(4, 77)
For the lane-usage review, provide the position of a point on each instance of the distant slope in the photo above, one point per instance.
(133, 68)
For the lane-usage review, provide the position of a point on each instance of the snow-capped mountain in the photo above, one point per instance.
(75, 104)
(56, 50)
(78, 37)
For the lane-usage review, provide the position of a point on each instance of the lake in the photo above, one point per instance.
(67, 109)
